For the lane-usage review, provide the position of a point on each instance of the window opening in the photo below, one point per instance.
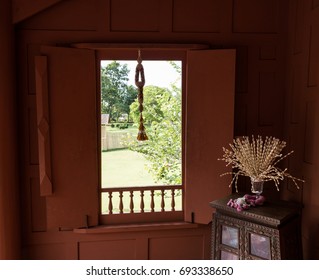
(141, 176)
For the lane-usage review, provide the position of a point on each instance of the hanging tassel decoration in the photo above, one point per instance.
(140, 82)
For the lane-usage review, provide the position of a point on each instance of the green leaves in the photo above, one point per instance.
(116, 95)
(163, 120)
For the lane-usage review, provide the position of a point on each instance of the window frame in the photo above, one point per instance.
(148, 54)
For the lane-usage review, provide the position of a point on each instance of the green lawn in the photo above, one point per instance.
(125, 168)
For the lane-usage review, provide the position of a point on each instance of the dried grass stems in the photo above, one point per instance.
(257, 159)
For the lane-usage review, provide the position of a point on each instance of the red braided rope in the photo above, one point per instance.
(139, 73)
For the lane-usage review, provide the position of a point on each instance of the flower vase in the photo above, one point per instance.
(257, 186)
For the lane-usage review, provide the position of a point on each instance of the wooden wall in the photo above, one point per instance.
(9, 196)
(302, 115)
(256, 28)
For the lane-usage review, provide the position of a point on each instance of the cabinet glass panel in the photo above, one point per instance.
(260, 246)
(230, 236)
(228, 256)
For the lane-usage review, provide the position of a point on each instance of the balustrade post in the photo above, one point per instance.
(121, 202)
(110, 203)
(152, 201)
(162, 201)
(173, 199)
(131, 202)
(142, 201)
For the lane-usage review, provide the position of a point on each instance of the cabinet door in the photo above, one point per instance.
(229, 242)
(226, 238)
(260, 246)
(261, 242)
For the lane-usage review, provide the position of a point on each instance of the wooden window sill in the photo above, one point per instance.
(135, 227)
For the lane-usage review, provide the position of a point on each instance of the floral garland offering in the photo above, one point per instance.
(257, 159)
(245, 202)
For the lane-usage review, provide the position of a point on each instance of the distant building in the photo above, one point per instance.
(105, 119)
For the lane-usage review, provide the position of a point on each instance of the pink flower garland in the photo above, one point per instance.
(245, 202)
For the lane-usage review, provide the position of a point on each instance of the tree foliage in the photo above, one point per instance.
(162, 115)
(116, 94)
(163, 120)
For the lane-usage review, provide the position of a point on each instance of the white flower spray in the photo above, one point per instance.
(257, 159)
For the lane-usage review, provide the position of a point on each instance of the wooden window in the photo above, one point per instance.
(72, 79)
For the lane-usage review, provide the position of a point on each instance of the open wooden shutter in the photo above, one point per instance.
(71, 86)
(209, 127)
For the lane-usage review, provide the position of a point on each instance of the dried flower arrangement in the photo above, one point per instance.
(257, 159)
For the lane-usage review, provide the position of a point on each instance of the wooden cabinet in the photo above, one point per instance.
(269, 232)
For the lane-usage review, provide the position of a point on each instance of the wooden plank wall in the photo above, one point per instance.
(256, 29)
(9, 181)
(302, 115)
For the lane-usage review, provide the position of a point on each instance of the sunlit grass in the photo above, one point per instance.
(125, 168)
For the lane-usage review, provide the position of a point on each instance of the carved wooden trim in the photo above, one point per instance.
(266, 215)
(213, 239)
(244, 228)
(262, 219)
(43, 122)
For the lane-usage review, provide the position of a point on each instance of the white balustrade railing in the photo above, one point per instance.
(154, 201)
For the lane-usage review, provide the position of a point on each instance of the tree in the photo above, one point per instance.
(116, 95)
(153, 98)
(163, 120)
(128, 99)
